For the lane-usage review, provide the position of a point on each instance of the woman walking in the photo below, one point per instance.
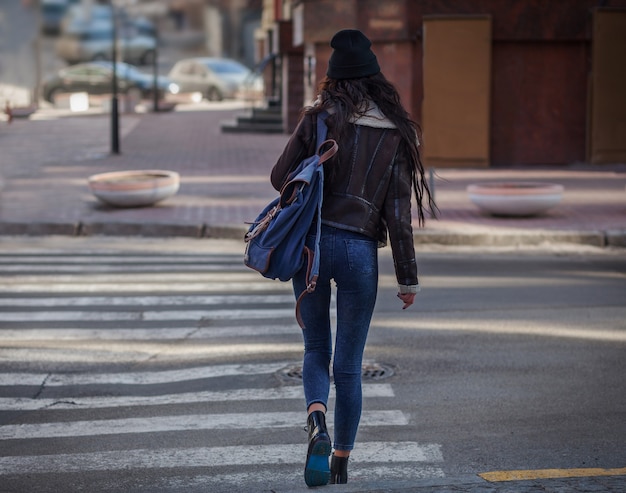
(367, 199)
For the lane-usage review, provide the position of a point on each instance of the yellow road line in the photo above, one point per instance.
(521, 475)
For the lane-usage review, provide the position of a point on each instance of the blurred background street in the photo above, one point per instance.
(42, 39)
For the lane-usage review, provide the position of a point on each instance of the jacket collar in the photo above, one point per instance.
(372, 117)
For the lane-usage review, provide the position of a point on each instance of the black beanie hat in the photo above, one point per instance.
(352, 57)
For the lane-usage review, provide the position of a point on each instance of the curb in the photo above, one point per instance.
(492, 238)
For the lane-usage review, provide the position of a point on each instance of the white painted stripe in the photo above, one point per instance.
(192, 422)
(89, 260)
(71, 316)
(226, 268)
(69, 352)
(409, 472)
(82, 301)
(250, 314)
(140, 378)
(280, 393)
(599, 323)
(133, 277)
(81, 258)
(106, 316)
(394, 475)
(164, 286)
(367, 452)
(10, 336)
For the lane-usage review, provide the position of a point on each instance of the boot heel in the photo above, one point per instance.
(338, 470)
(316, 470)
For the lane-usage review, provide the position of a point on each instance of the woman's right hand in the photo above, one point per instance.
(407, 299)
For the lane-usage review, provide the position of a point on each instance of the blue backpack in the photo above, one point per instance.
(275, 242)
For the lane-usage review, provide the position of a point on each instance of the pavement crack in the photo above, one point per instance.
(57, 403)
(188, 335)
(42, 386)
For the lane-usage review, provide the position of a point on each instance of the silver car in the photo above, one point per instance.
(214, 78)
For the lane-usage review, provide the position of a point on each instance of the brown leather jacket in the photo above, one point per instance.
(367, 186)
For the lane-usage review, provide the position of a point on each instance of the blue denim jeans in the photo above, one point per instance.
(351, 260)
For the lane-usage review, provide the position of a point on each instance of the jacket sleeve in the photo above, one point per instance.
(398, 217)
(300, 145)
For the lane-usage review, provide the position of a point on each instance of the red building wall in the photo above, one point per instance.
(541, 64)
(539, 103)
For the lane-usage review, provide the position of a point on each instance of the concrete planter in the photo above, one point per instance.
(164, 106)
(23, 111)
(515, 198)
(134, 188)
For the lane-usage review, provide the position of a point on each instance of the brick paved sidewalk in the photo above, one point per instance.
(224, 183)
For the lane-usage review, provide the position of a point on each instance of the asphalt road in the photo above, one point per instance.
(515, 360)
(166, 365)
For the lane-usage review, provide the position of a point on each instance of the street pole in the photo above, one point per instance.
(37, 49)
(155, 84)
(115, 117)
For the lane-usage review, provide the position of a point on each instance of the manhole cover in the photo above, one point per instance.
(369, 371)
(376, 371)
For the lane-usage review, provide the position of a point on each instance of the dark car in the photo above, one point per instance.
(52, 13)
(79, 17)
(96, 78)
(94, 41)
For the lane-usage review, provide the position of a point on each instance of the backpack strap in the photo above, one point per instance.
(322, 129)
(330, 152)
(313, 257)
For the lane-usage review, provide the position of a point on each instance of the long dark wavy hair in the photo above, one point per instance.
(347, 98)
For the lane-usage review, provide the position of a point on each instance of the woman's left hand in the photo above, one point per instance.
(407, 299)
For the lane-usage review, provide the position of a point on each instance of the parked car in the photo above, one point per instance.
(78, 17)
(97, 77)
(52, 13)
(95, 42)
(214, 78)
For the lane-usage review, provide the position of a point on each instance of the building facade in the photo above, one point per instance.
(492, 83)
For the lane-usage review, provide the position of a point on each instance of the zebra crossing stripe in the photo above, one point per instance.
(121, 278)
(115, 267)
(157, 285)
(76, 403)
(367, 452)
(397, 476)
(9, 336)
(192, 422)
(150, 316)
(128, 352)
(140, 378)
(157, 276)
(108, 301)
(24, 261)
(114, 264)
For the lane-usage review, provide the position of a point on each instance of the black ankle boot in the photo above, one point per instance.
(338, 470)
(316, 471)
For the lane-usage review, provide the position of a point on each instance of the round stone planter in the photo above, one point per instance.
(134, 188)
(515, 198)
(23, 111)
